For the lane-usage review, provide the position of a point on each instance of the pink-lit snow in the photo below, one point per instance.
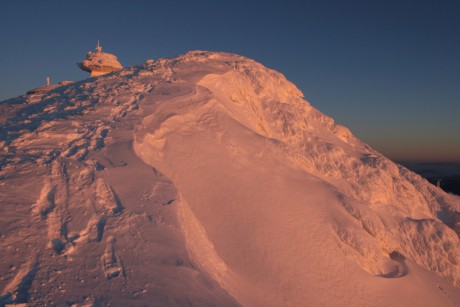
(207, 179)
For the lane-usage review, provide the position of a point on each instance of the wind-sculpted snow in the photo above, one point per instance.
(244, 194)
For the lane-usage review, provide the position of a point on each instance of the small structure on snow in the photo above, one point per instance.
(48, 87)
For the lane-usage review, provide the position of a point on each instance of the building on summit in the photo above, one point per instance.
(99, 63)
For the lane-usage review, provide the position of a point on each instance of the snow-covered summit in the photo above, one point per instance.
(208, 179)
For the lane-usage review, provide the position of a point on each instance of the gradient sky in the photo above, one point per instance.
(388, 70)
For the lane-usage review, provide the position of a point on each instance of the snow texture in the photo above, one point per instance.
(207, 179)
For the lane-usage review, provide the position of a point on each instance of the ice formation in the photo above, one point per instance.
(99, 63)
(207, 179)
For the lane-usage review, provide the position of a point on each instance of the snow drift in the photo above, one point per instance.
(207, 179)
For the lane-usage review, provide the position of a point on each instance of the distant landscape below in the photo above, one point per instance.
(446, 174)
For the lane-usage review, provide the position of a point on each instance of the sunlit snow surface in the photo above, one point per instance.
(207, 179)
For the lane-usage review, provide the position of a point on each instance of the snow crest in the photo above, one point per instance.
(383, 215)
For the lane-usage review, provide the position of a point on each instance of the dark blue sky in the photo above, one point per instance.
(388, 70)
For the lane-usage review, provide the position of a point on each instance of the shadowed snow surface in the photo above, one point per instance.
(207, 179)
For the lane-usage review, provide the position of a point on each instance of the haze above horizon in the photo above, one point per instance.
(386, 70)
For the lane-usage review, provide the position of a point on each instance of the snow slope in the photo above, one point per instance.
(207, 179)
